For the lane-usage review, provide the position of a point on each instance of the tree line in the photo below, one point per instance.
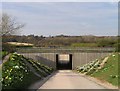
(10, 27)
(62, 41)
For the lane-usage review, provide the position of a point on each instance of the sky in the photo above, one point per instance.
(67, 18)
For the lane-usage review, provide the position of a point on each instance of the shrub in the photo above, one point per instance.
(8, 48)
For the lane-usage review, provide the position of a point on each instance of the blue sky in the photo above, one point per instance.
(68, 18)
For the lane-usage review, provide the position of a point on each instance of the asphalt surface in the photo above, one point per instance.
(66, 79)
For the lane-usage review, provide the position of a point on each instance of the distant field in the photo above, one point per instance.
(84, 45)
(18, 44)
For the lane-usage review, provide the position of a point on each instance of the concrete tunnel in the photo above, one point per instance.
(61, 61)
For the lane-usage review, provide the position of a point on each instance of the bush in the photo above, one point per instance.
(8, 47)
(106, 43)
(117, 47)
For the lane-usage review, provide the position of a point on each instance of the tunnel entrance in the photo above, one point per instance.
(64, 61)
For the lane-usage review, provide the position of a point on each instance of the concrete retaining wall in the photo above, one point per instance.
(44, 58)
(77, 58)
(80, 59)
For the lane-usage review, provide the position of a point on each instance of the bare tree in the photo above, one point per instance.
(9, 25)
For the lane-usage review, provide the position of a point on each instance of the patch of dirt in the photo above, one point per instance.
(6, 58)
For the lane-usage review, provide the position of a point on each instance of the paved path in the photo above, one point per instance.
(6, 58)
(0, 62)
(67, 79)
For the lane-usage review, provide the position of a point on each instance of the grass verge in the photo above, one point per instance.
(109, 72)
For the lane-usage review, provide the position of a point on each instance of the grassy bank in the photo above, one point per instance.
(20, 72)
(108, 72)
(3, 53)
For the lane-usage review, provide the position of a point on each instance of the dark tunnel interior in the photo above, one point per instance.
(62, 65)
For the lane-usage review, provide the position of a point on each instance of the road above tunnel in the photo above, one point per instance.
(66, 79)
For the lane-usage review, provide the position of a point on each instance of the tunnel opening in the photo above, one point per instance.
(64, 61)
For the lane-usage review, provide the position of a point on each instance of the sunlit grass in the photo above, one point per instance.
(110, 70)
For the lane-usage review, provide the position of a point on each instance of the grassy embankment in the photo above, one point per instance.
(20, 72)
(3, 54)
(109, 71)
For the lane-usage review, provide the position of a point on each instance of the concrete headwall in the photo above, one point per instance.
(77, 58)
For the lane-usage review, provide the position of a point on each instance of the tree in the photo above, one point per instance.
(9, 25)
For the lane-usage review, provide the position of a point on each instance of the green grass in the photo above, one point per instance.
(84, 45)
(16, 74)
(0, 78)
(110, 70)
(108, 73)
(3, 53)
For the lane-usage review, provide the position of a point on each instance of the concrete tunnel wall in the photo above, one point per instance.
(78, 59)
(44, 58)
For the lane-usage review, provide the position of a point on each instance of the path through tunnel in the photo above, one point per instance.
(64, 61)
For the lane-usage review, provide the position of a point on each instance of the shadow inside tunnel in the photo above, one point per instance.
(62, 64)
